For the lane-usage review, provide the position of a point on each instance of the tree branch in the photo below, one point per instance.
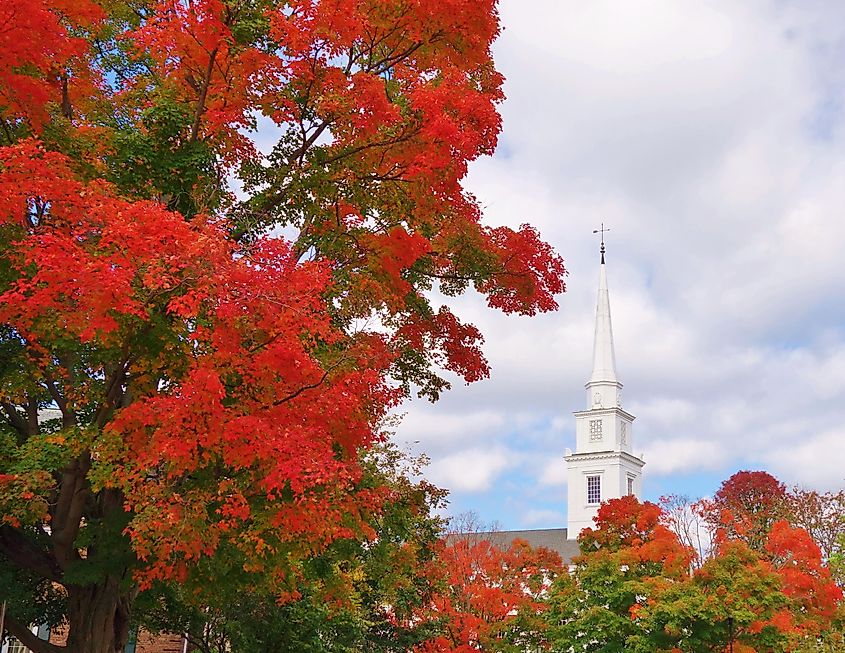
(68, 416)
(310, 386)
(113, 391)
(206, 82)
(22, 552)
(67, 108)
(296, 393)
(32, 414)
(14, 419)
(308, 142)
(67, 517)
(30, 639)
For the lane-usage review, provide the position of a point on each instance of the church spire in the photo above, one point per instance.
(603, 388)
(604, 357)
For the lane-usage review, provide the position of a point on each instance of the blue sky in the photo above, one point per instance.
(709, 137)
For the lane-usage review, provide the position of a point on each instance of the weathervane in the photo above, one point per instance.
(601, 231)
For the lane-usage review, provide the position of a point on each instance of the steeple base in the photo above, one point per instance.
(594, 477)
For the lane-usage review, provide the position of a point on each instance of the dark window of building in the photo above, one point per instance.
(594, 489)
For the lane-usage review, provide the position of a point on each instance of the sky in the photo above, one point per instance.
(708, 136)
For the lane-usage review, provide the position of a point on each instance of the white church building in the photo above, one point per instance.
(603, 465)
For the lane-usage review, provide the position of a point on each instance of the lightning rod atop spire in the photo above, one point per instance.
(601, 231)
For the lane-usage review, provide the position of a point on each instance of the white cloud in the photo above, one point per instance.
(472, 470)
(445, 430)
(815, 462)
(554, 472)
(535, 517)
(683, 455)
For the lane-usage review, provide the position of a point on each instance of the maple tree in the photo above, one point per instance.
(776, 600)
(633, 590)
(745, 507)
(357, 594)
(591, 609)
(822, 516)
(490, 595)
(180, 382)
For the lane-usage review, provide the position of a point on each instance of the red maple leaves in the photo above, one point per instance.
(489, 595)
(222, 348)
(30, 76)
(217, 383)
(775, 596)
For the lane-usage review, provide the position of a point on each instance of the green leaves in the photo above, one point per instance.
(160, 161)
(628, 592)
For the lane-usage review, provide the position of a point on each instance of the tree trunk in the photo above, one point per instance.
(98, 617)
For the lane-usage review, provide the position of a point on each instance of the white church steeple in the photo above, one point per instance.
(602, 466)
(603, 388)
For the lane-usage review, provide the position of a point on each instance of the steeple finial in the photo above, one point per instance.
(601, 231)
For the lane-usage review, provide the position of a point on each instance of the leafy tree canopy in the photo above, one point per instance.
(216, 362)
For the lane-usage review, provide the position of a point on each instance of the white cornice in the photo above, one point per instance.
(604, 455)
(604, 411)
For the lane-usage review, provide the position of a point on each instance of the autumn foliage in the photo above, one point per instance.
(180, 382)
(489, 595)
(745, 507)
(634, 587)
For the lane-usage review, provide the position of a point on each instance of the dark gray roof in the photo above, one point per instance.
(549, 538)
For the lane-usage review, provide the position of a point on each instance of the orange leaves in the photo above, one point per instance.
(773, 598)
(453, 345)
(793, 547)
(407, 89)
(23, 497)
(797, 560)
(227, 381)
(452, 32)
(260, 405)
(358, 105)
(196, 51)
(381, 104)
(635, 530)
(250, 427)
(457, 121)
(745, 507)
(488, 593)
(624, 522)
(89, 258)
(389, 257)
(32, 75)
(531, 273)
(29, 174)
